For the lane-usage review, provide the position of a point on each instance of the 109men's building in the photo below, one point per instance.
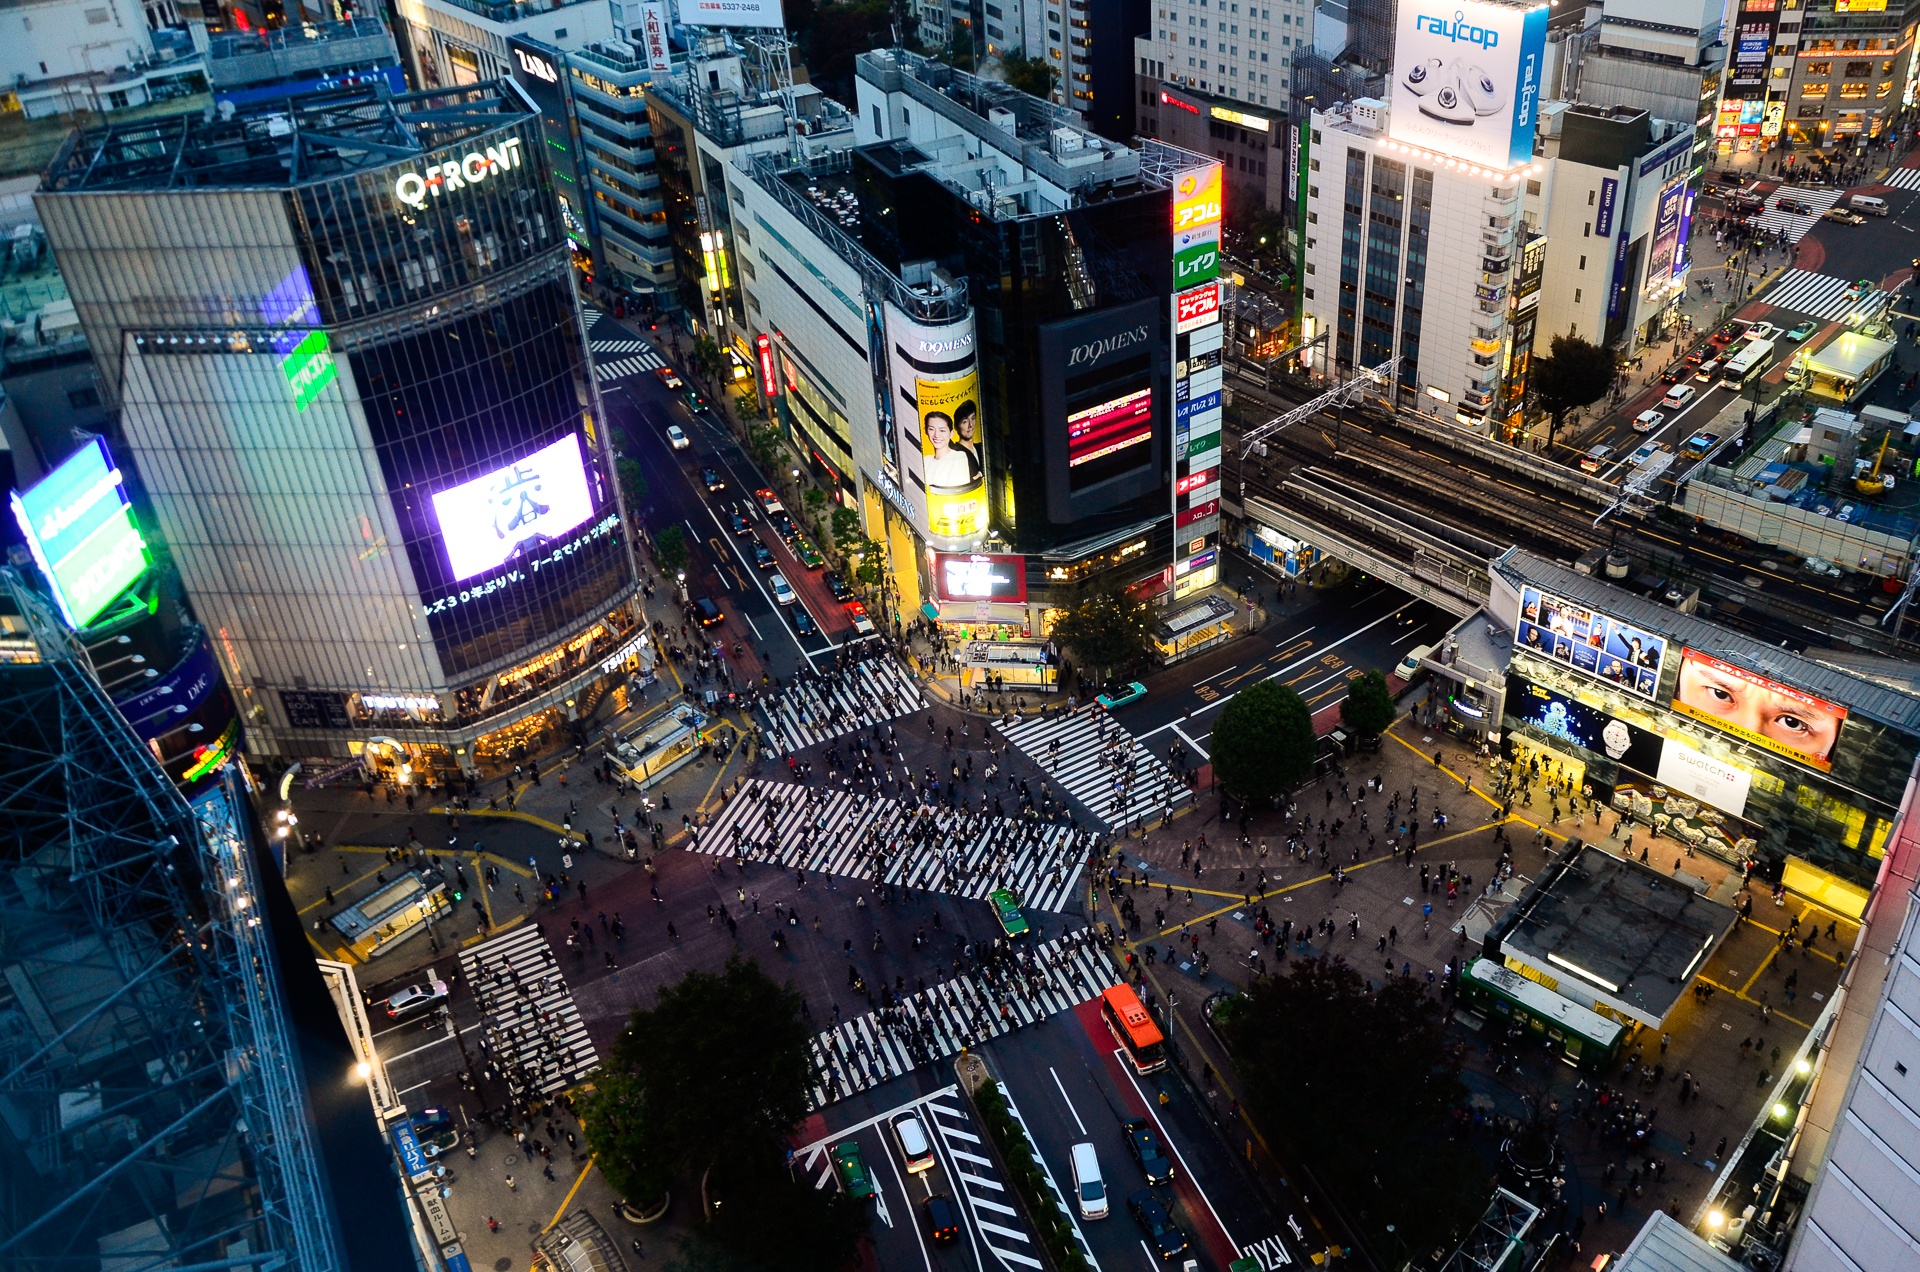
(351, 370)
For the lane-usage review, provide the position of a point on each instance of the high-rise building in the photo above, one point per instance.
(453, 42)
(1823, 73)
(1239, 53)
(378, 458)
(1088, 44)
(251, 66)
(177, 1090)
(96, 55)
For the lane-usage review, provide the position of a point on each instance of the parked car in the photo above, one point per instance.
(1145, 1147)
(707, 612)
(1647, 421)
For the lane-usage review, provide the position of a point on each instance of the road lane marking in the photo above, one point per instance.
(1175, 1150)
(1223, 671)
(1069, 1103)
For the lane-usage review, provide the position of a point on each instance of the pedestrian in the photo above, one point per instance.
(547, 1170)
(511, 1185)
(493, 1225)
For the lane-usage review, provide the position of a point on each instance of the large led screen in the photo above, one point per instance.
(80, 529)
(515, 510)
(1757, 710)
(1589, 641)
(1558, 716)
(1467, 78)
(1109, 427)
(975, 576)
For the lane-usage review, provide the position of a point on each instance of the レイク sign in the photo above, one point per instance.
(415, 188)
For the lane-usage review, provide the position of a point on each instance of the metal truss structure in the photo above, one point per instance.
(1498, 1243)
(1339, 395)
(152, 1112)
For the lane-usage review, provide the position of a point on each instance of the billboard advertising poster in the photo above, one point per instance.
(1666, 238)
(1724, 786)
(80, 529)
(1467, 79)
(1197, 197)
(1600, 732)
(1107, 428)
(1196, 256)
(1590, 642)
(653, 37)
(731, 13)
(514, 511)
(950, 452)
(974, 576)
(1757, 710)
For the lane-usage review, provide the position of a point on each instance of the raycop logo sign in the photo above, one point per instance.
(1456, 29)
(1086, 355)
(415, 188)
(538, 67)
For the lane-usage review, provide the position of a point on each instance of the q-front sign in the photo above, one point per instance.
(415, 188)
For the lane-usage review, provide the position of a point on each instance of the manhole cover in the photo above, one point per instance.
(502, 1264)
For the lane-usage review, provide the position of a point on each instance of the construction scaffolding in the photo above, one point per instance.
(152, 1105)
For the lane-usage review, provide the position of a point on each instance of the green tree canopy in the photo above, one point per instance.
(1263, 744)
(959, 50)
(1574, 373)
(1362, 1085)
(633, 483)
(1368, 707)
(670, 549)
(1031, 75)
(846, 526)
(1108, 630)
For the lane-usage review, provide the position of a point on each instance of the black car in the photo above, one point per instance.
(715, 482)
(802, 621)
(1145, 1147)
(841, 592)
(762, 557)
(943, 1221)
(1166, 1239)
(783, 524)
(707, 612)
(739, 523)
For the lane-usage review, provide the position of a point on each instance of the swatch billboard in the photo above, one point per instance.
(1588, 641)
(1467, 79)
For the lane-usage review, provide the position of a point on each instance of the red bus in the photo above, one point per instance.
(1134, 1029)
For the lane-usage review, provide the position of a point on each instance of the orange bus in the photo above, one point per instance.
(1134, 1029)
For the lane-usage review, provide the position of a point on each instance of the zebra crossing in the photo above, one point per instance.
(1100, 764)
(1794, 225)
(1000, 1226)
(1904, 178)
(936, 1022)
(857, 697)
(618, 346)
(834, 832)
(533, 1029)
(621, 368)
(1820, 295)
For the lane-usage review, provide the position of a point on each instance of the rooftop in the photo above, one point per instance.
(1874, 700)
(282, 142)
(253, 57)
(1620, 930)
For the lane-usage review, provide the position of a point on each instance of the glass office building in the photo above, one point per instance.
(352, 374)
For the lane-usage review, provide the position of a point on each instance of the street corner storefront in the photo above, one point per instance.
(1281, 551)
(1188, 630)
(1761, 758)
(995, 665)
(978, 596)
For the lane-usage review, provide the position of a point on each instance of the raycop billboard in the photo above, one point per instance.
(1588, 641)
(1467, 79)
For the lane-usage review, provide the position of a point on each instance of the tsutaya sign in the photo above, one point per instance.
(415, 188)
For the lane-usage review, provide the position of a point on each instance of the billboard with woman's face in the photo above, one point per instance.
(951, 456)
(1759, 711)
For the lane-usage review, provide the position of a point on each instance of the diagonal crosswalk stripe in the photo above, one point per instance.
(1795, 224)
(1904, 178)
(846, 833)
(838, 702)
(1102, 766)
(1819, 295)
(618, 346)
(622, 368)
(926, 1027)
(532, 1027)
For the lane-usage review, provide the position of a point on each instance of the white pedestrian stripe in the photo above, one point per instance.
(621, 368)
(1105, 768)
(926, 1027)
(618, 346)
(1820, 295)
(829, 704)
(1795, 224)
(1008, 1242)
(533, 1031)
(1904, 178)
(839, 832)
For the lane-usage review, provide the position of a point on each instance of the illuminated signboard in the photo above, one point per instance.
(1591, 642)
(80, 528)
(1468, 79)
(1196, 308)
(1196, 198)
(1859, 6)
(1241, 118)
(415, 188)
(515, 511)
(1114, 425)
(306, 358)
(1196, 256)
(769, 381)
(974, 576)
(653, 34)
(1758, 710)
(1193, 481)
(1171, 100)
(732, 13)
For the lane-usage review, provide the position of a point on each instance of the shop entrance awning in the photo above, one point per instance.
(930, 610)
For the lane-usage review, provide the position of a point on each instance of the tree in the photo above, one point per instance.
(707, 359)
(1263, 744)
(1574, 373)
(846, 526)
(633, 482)
(1031, 75)
(670, 549)
(1362, 1085)
(872, 567)
(959, 50)
(1108, 631)
(622, 1138)
(1368, 707)
(838, 33)
(816, 501)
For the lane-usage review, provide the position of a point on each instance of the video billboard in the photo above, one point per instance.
(1467, 79)
(1663, 255)
(1559, 716)
(1757, 710)
(1591, 642)
(976, 576)
(1106, 428)
(80, 528)
(951, 456)
(515, 510)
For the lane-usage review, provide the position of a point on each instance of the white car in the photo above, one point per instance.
(416, 997)
(1678, 395)
(677, 439)
(1645, 453)
(915, 1148)
(1647, 421)
(1762, 331)
(782, 590)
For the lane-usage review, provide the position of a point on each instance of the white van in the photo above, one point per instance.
(1868, 204)
(1409, 668)
(1087, 1184)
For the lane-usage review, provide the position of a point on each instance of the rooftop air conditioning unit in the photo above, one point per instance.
(1002, 118)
